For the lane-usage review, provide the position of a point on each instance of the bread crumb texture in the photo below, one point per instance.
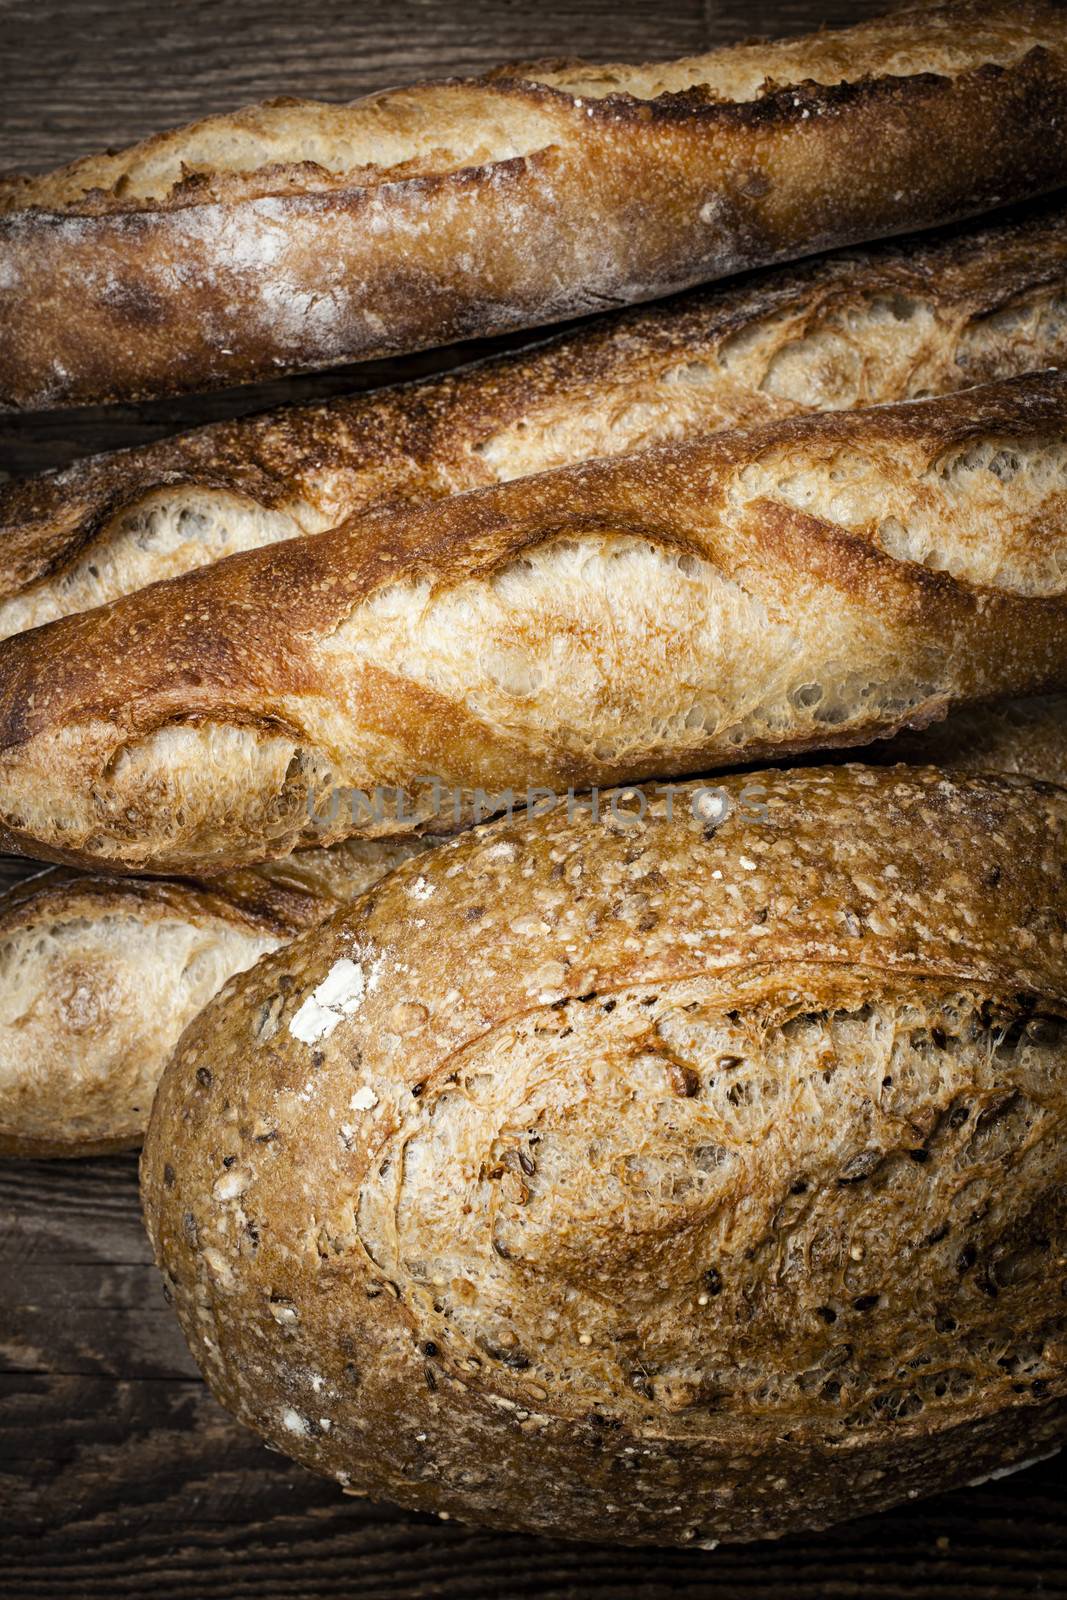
(646, 1193)
(99, 977)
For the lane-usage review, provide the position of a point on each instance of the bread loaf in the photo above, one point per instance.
(102, 974)
(819, 582)
(297, 235)
(673, 1178)
(889, 323)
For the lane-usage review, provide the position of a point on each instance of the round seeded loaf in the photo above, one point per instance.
(692, 1175)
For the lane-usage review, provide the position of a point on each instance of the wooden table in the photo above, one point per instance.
(119, 1476)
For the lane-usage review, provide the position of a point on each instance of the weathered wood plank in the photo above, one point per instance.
(83, 74)
(120, 1476)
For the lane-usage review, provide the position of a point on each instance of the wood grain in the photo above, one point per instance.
(165, 64)
(119, 1476)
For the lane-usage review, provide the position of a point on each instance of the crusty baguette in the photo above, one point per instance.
(857, 329)
(297, 235)
(102, 974)
(819, 582)
(681, 1179)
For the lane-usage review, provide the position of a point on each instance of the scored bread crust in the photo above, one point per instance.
(894, 322)
(298, 235)
(688, 1179)
(102, 974)
(816, 583)
(84, 962)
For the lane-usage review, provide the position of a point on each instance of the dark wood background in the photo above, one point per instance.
(119, 1476)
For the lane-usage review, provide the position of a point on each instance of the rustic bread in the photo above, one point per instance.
(100, 976)
(298, 235)
(889, 323)
(680, 1178)
(818, 582)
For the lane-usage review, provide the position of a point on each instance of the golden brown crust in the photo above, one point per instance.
(119, 979)
(469, 207)
(692, 1176)
(890, 323)
(101, 975)
(816, 583)
(99, 979)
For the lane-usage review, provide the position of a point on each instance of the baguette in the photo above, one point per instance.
(296, 235)
(819, 582)
(102, 974)
(679, 1180)
(861, 329)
